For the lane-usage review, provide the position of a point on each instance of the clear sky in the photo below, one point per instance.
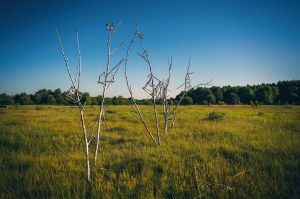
(232, 42)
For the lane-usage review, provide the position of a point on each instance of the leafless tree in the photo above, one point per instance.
(153, 84)
(163, 96)
(172, 114)
(135, 107)
(74, 95)
(108, 76)
(157, 89)
(106, 79)
(169, 111)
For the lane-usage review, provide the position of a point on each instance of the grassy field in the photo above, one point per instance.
(252, 153)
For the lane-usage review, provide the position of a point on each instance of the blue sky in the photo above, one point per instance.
(231, 42)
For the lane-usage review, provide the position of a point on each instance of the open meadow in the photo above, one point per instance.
(251, 153)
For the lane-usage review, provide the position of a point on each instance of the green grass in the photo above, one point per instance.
(254, 151)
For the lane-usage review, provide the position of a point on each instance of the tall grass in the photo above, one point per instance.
(252, 153)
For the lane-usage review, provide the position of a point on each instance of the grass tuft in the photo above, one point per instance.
(216, 116)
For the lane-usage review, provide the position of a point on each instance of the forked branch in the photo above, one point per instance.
(74, 95)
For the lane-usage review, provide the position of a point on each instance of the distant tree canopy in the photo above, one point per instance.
(284, 92)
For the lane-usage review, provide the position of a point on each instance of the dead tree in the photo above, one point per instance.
(135, 107)
(107, 77)
(187, 86)
(157, 89)
(153, 84)
(74, 95)
(170, 112)
(163, 95)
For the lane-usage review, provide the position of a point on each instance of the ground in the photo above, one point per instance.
(250, 153)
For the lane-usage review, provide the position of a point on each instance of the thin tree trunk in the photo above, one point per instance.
(87, 166)
(156, 119)
(103, 96)
(165, 117)
(99, 125)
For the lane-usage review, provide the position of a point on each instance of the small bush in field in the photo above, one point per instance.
(260, 113)
(216, 116)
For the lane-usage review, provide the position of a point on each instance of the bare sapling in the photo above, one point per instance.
(164, 96)
(153, 83)
(74, 95)
(135, 107)
(107, 78)
(187, 85)
(169, 111)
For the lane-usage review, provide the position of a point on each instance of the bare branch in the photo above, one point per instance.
(79, 61)
(204, 84)
(122, 43)
(115, 30)
(65, 58)
(164, 95)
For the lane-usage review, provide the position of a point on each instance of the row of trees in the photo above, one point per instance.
(57, 97)
(284, 92)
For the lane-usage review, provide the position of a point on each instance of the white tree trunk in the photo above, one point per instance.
(87, 163)
(165, 116)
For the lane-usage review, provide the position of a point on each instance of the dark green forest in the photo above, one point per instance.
(282, 92)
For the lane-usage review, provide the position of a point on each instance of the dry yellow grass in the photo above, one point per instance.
(252, 153)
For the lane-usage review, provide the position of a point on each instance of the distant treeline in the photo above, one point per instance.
(284, 92)
(57, 97)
